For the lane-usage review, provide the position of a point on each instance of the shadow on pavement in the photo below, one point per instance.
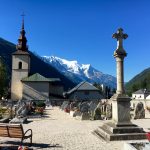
(13, 145)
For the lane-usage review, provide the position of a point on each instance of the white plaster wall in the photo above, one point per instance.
(138, 96)
(19, 74)
(148, 97)
(25, 59)
(16, 84)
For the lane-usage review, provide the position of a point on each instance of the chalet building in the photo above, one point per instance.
(84, 91)
(141, 94)
(26, 86)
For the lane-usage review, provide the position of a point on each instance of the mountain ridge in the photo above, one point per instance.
(140, 81)
(80, 72)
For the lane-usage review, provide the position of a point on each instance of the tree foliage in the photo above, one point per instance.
(107, 92)
(141, 81)
(3, 79)
(97, 85)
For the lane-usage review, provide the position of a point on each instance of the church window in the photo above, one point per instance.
(20, 65)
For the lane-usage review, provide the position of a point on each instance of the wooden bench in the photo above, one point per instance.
(15, 131)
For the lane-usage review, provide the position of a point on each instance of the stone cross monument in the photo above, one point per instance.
(120, 101)
(119, 54)
(120, 128)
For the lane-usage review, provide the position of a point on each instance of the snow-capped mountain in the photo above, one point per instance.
(80, 72)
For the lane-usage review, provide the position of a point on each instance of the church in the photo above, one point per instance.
(26, 86)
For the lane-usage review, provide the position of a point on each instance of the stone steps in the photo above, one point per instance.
(120, 133)
(120, 130)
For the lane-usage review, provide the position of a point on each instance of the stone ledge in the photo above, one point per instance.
(120, 133)
(123, 129)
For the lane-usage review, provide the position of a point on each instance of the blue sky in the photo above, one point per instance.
(82, 30)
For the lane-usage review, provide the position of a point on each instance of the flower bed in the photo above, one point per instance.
(39, 110)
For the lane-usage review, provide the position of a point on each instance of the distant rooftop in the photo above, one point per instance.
(142, 91)
(83, 86)
(39, 78)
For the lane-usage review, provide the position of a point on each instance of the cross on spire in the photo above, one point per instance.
(23, 15)
(119, 36)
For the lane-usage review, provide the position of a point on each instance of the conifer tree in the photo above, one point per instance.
(3, 78)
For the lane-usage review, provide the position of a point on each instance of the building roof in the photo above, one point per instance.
(142, 91)
(83, 86)
(39, 78)
(19, 52)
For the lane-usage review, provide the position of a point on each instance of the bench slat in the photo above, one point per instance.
(15, 131)
(4, 135)
(15, 136)
(2, 129)
(5, 130)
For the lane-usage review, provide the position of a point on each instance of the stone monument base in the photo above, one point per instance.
(112, 132)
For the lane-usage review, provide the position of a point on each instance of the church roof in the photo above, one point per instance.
(83, 86)
(39, 78)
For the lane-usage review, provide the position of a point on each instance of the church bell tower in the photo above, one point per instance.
(20, 65)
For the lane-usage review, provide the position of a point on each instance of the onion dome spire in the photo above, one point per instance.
(22, 41)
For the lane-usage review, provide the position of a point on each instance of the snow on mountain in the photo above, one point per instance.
(80, 72)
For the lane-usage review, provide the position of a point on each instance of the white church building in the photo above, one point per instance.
(24, 85)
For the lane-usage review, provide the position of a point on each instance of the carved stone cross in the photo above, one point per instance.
(119, 36)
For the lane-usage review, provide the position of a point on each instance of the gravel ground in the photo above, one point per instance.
(59, 131)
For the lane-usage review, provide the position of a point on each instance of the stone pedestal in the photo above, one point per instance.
(121, 110)
(111, 132)
(121, 128)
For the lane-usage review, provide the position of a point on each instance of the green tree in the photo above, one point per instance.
(135, 87)
(144, 84)
(97, 85)
(107, 92)
(113, 90)
(3, 78)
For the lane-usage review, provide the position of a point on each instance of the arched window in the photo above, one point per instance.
(20, 65)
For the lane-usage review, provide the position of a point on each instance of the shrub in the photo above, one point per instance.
(41, 104)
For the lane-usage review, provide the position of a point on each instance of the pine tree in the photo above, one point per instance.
(3, 78)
